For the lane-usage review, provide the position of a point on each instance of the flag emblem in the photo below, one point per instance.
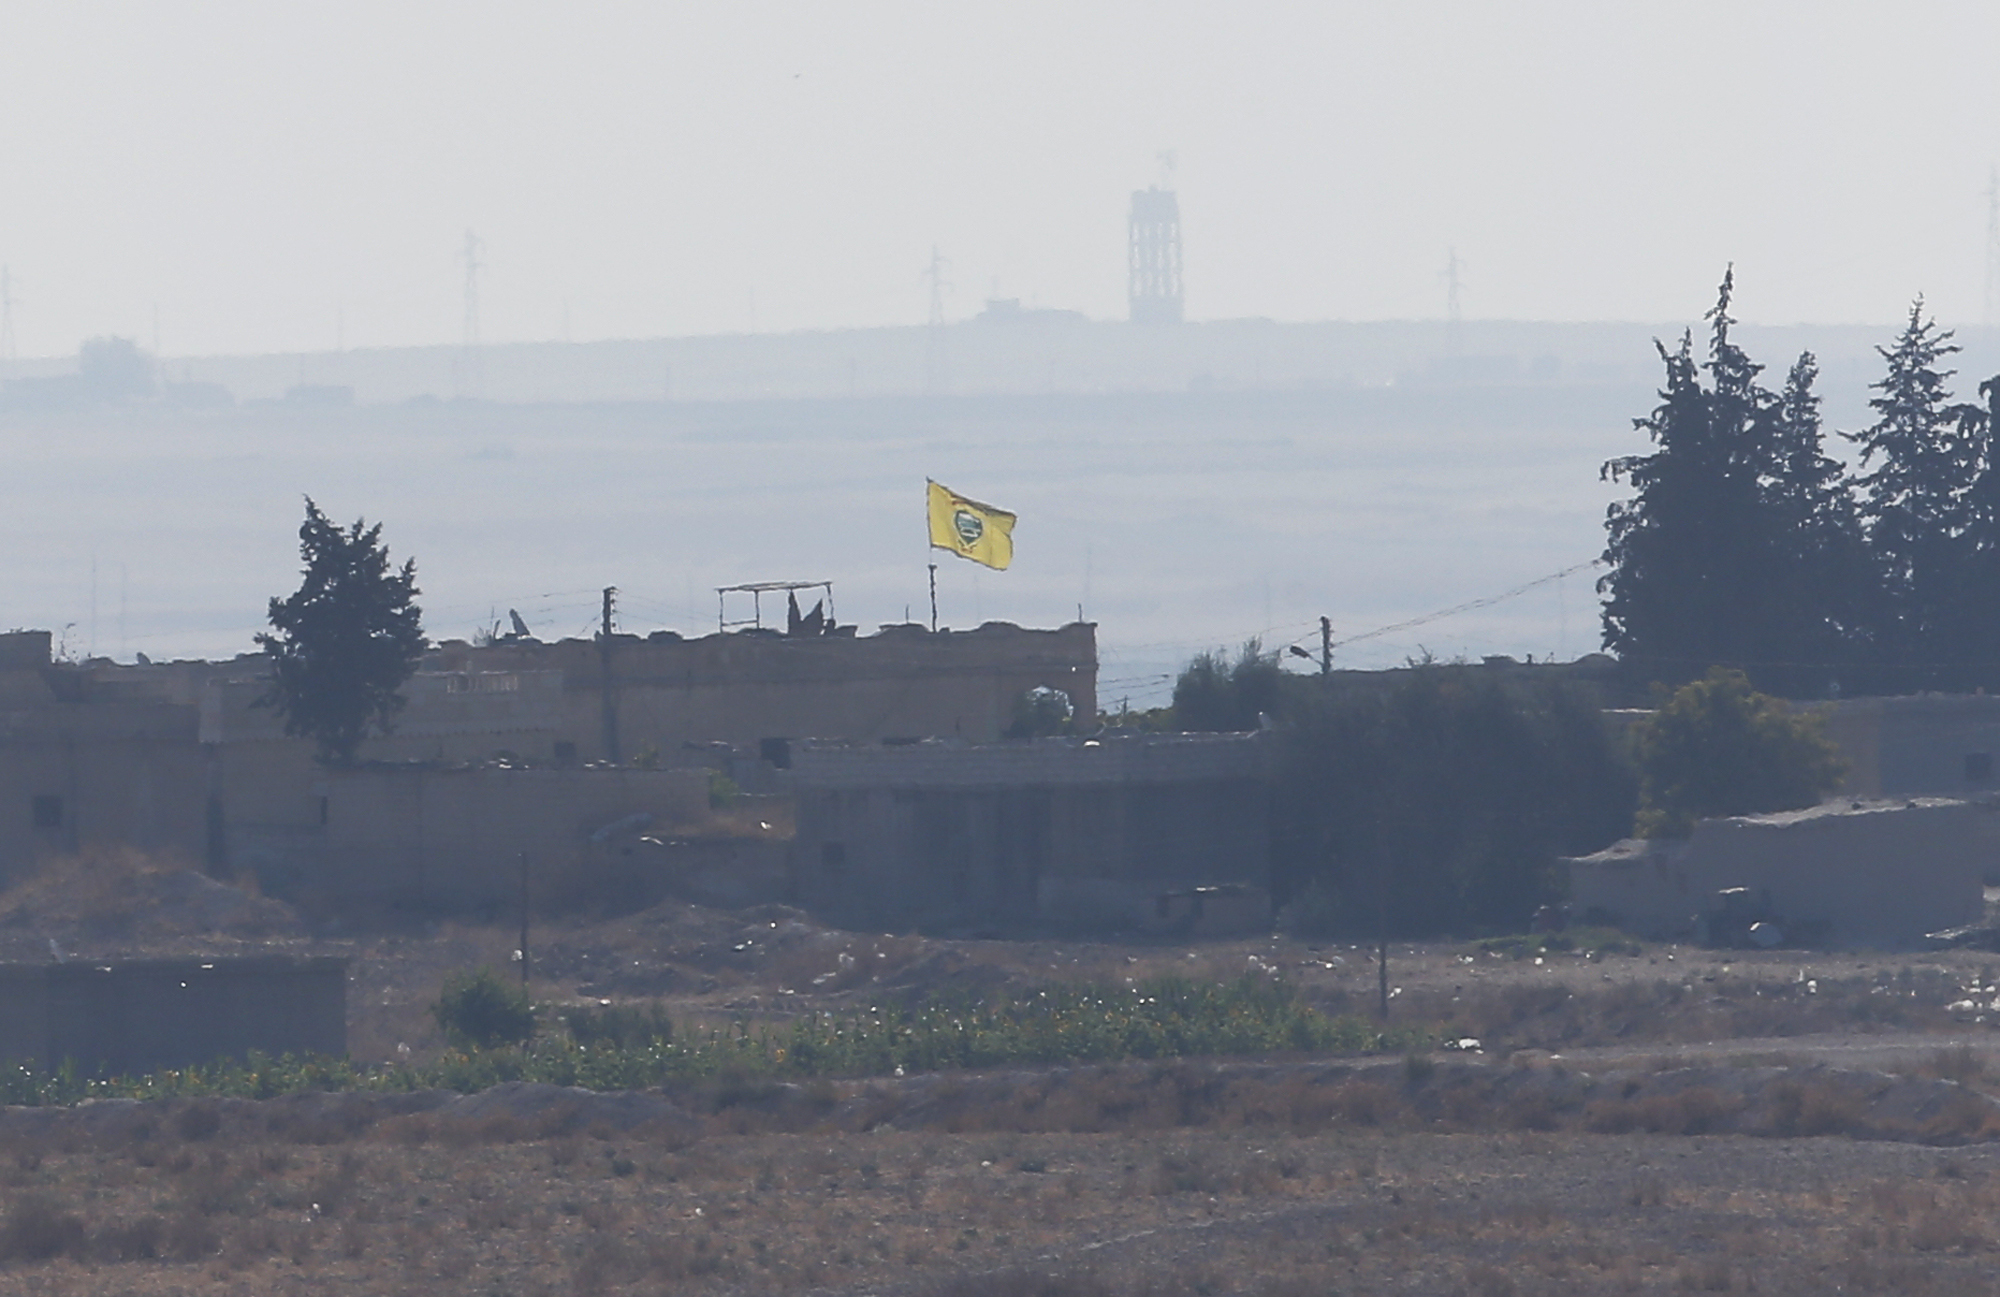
(969, 529)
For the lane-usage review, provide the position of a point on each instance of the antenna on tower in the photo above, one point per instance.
(1993, 245)
(468, 383)
(937, 364)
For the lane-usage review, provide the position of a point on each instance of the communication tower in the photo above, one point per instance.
(1153, 282)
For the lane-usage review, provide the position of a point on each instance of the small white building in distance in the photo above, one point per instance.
(1877, 874)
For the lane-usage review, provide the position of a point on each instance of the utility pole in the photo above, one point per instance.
(524, 920)
(1383, 919)
(604, 670)
(1325, 647)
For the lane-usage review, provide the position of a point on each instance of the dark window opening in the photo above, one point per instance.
(1979, 767)
(48, 812)
(778, 752)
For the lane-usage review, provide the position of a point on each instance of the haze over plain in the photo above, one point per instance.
(239, 179)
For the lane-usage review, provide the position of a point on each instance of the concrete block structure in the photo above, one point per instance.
(663, 691)
(79, 768)
(517, 739)
(1116, 832)
(455, 839)
(140, 1016)
(1917, 745)
(1854, 874)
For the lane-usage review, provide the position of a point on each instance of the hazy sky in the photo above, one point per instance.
(279, 176)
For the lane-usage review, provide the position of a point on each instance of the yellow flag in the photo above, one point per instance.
(970, 529)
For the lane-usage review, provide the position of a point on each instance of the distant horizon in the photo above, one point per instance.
(1696, 324)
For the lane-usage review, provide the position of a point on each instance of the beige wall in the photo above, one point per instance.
(453, 839)
(112, 774)
(1918, 745)
(904, 682)
(1880, 876)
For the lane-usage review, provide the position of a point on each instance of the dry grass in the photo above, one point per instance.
(1278, 1179)
(1192, 1182)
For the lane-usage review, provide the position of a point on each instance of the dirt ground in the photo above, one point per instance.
(1670, 1120)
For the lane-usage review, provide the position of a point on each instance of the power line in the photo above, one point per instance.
(1470, 605)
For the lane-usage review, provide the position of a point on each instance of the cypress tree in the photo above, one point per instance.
(1821, 599)
(1690, 552)
(1916, 505)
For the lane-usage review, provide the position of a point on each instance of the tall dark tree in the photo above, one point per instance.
(1690, 552)
(1821, 606)
(343, 645)
(1977, 606)
(1436, 799)
(1916, 501)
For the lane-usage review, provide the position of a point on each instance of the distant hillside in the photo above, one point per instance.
(1028, 353)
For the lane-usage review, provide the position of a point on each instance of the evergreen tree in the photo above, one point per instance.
(1820, 604)
(1690, 552)
(344, 643)
(1916, 504)
(1976, 603)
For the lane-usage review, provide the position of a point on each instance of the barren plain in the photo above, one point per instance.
(1614, 1118)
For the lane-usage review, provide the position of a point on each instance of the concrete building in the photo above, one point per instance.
(1137, 831)
(448, 838)
(515, 741)
(82, 766)
(467, 839)
(140, 1016)
(904, 681)
(1917, 745)
(1845, 874)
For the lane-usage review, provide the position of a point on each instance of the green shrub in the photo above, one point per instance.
(1717, 748)
(722, 791)
(482, 1009)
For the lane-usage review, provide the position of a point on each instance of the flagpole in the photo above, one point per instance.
(933, 597)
